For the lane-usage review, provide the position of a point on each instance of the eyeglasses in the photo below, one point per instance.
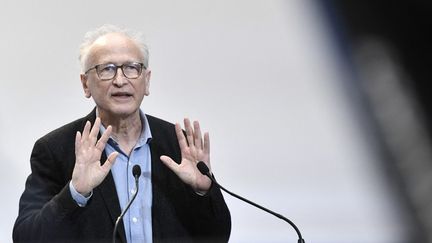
(108, 71)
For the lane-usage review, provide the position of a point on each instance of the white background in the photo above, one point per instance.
(260, 76)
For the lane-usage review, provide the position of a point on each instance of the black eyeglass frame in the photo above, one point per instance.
(116, 69)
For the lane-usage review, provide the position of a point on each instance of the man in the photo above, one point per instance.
(81, 176)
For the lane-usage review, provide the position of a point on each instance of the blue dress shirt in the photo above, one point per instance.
(138, 220)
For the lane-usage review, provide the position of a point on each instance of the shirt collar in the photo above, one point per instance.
(145, 136)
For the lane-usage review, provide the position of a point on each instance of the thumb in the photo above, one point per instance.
(171, 164)
(106, 167)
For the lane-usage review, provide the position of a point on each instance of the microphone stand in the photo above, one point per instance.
(202, 167)
(136, 171)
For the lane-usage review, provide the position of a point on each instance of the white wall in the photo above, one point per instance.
(259, 75)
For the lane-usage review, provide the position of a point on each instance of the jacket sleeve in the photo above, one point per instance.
(46, 203)
(191, 217)
(213, 219)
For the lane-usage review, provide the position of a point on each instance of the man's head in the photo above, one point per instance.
(91, 36)
(115, 72)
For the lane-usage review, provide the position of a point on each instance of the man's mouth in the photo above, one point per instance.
(121, 94)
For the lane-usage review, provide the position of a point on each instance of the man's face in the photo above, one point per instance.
(121, 96)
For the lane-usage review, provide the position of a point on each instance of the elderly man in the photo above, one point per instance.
(81, 176)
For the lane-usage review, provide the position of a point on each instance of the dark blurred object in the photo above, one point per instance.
(405, 25)
(388, 46)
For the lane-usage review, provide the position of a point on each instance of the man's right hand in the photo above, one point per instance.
(88, 172)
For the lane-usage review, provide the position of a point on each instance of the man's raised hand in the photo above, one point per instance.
(88, 172)
(193, 149)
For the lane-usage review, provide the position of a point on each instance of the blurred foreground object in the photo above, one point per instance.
(389, 49)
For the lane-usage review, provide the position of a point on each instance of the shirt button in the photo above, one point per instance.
(134, 219)
(133, 191)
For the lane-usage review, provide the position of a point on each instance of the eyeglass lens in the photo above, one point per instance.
(109, 71)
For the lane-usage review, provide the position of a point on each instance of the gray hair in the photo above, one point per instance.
(91, 36)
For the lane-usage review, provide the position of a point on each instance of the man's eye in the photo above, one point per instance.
(109, 68)
(131, 67)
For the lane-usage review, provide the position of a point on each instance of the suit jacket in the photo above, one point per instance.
(47, 212)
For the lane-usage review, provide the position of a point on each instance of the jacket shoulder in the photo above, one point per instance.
(158, 121)
(158, 125)
(163, 135)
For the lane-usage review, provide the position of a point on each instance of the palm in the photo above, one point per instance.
(193, 149)
(88, 172)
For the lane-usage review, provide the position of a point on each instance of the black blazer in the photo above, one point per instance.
(47, 212)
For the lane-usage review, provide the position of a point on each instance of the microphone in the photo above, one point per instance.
(202, 167)
(136, 172)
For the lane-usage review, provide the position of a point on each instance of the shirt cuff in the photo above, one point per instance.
(77, 197)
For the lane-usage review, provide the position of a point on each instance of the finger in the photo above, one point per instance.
(77, 141)
(190, 136)
(181, 137)
(86, 130)
(207, 149)
(104, 139)
(189, 131)
(207, 144)
(106, 167)
(171, 164)
(95, 130)
(197, 135)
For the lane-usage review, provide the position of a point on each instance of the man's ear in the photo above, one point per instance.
(84, 82)
(147, 82)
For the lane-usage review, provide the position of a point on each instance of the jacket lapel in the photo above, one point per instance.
(107, 189)
(109, 196)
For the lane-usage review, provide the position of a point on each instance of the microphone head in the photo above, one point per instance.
(136, 171)
(202, 167)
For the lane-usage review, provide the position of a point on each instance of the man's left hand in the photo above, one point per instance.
(193, 149)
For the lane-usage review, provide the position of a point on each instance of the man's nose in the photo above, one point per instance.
(119, 78)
